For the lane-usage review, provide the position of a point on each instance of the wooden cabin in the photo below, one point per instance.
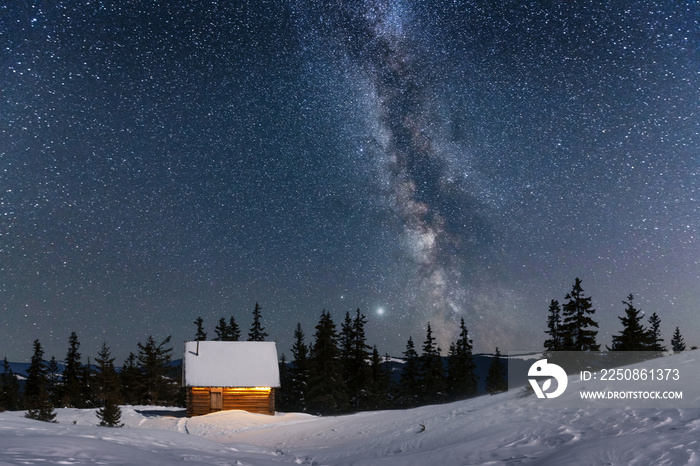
(224, 375)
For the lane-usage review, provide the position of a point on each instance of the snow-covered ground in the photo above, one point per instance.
(491, 430)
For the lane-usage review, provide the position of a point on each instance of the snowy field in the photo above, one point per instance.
(491, 430)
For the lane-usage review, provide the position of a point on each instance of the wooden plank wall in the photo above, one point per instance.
(198, 401)
(254, 401)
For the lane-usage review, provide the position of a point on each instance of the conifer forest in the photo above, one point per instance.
(331, 370)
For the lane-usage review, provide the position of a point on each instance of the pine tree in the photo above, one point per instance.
(154, 360)
(282, 394)
(379, 383)
(87, 393)
(71, 395)
(52, 381)
(201, 335)
(496, 380)
(360, 353)
(36, 377)
(107, 389)
(129, 378)
(234, 331)
(554, 330)
(345, 343)
(461, 367)
(327, 393)
(106, 379)
(298, 378)
(110, 415)
(11, 399)
(222, 333)
(42, 409)
(677, 343)
(577, 323)
(654, 334)
(433, 387)
(353, 346)
(360, 346)
(228, 331)
(345, 339)
(633, 337)
(408, 389)
(36, 396)
(257, 331)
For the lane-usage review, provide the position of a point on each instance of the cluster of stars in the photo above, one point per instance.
(162, 161)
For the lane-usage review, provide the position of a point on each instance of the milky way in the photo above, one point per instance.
(423, 161)
(402, 104)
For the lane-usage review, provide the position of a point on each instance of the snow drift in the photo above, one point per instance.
(504, 429)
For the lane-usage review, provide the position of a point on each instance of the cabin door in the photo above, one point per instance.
(217, 402)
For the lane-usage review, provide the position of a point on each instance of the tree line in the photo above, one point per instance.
(145, 378)
(337, 372)
(571, 327)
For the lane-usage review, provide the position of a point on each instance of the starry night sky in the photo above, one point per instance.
(421, 161)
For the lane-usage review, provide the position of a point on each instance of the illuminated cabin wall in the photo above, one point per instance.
(205, 400)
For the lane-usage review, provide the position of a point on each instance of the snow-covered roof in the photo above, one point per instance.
(230, 364)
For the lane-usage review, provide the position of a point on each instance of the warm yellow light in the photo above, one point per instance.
(237, 389)
(248, 389)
